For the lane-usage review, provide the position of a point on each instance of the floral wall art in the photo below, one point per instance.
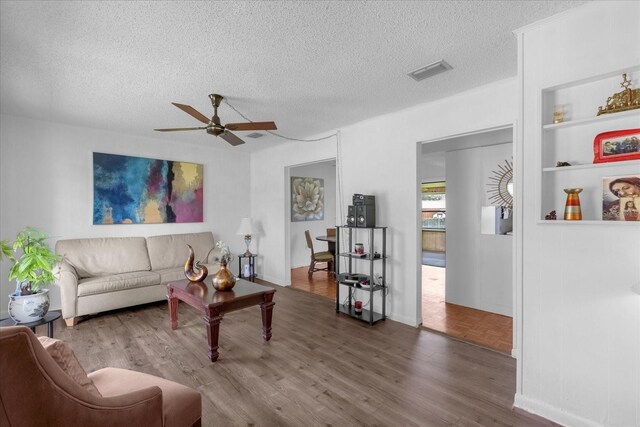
(307, 199)
(137, 190)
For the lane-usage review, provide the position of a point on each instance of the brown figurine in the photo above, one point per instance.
(197, 272)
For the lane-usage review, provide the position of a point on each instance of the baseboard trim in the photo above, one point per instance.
(406, 320)
(274, 280)
(550, 412)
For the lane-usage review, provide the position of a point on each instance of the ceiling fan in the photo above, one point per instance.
(213, 126)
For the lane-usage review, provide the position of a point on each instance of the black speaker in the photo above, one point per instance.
(365, 216)
(351, 216)
(363, 199)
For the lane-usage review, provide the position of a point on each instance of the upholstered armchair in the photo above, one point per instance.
(36, 391)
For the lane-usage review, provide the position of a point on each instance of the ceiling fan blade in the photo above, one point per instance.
(251, 126)
(231, 138)
(177, 129)
(192, 112)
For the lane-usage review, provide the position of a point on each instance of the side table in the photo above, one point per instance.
(252, 267)
(48, 319)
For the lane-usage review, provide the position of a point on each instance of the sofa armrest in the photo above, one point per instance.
(181, 405)
(142, 407)
(67, 279)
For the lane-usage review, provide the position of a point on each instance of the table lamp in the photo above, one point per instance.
(246, 229)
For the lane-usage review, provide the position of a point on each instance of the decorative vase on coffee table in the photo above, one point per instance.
(223, 280)
(572, 210)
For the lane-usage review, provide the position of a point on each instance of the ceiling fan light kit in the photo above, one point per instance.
(214, 127)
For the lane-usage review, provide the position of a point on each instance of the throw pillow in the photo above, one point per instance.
(64, 357)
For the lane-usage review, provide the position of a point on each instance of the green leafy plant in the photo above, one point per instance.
(33, 260)
(5, 250)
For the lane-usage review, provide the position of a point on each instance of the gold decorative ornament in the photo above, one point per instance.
(627, 99)
(197, 272)
(223, 280)
(558, 114)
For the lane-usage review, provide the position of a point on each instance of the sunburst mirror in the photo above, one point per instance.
(501, 185)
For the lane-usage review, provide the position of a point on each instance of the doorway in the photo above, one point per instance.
(316, 182)
(470, 295)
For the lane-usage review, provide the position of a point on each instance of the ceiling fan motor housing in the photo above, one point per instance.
(215, 129)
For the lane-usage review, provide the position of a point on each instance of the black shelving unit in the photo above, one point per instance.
(359, 274)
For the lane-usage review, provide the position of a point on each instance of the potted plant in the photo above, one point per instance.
(32, 269)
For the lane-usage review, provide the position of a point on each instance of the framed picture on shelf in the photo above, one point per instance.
(617, 146)
(621, 198)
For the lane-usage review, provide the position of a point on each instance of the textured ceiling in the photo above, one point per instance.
(309, 66)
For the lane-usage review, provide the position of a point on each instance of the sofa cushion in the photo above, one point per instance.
(181, 405)
(105, 256)
(117, 282)
(171, 275)
(66, 359)
(170, 251)
(174, 274)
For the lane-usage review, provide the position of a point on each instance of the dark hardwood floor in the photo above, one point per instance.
(319, 369)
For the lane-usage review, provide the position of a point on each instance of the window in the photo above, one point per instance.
(434, 205)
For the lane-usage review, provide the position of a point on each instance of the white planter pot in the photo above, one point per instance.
(29, 308)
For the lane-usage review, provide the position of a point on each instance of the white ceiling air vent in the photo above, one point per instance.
(429, 70)
(255, 135)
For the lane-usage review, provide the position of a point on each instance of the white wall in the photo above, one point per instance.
(46, 177)
(580, 318)
(298, 247)
(433, 167)
(378, 156)
(479, 266)
(270, 202)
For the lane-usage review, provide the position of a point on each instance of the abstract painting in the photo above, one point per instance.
(307, 199)
(137, 190)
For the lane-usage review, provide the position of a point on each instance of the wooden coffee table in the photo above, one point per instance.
(214, 304)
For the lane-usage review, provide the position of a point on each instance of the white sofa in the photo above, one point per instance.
(103, 274)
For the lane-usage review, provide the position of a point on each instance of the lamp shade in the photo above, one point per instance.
(245, 227)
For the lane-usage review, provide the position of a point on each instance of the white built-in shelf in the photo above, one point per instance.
(587, 222)
(573, 139)
(595, 119)
(593, 166)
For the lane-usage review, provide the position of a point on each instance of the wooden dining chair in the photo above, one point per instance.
(331, 232)
(318, 257)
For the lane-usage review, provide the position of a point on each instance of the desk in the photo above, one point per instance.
(48, 319)
(214, 304)
(331, 241)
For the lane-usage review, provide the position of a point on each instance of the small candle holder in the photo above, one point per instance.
(357, 307)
